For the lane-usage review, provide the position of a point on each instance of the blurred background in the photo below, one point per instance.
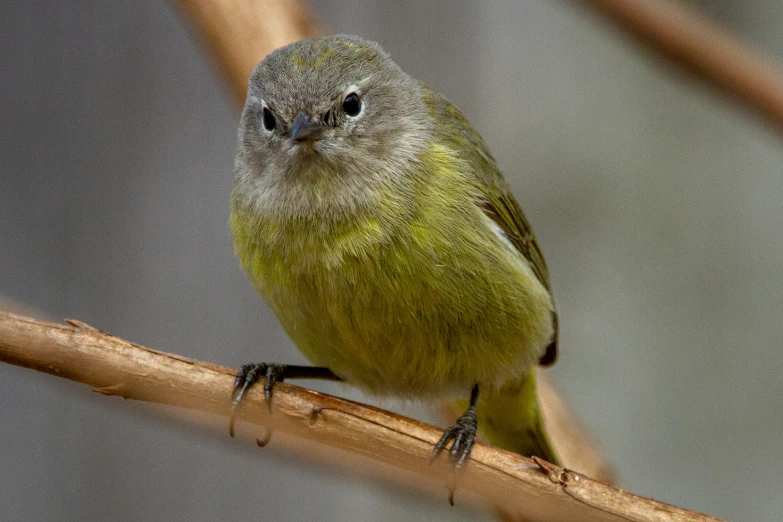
(659, 207)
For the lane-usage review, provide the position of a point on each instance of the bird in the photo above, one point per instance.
(377, 226)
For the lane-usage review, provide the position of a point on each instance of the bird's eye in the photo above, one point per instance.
(352, 105)
(268, 119)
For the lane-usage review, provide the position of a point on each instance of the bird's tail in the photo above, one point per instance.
(509, 417)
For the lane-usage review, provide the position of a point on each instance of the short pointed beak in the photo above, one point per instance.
(304, 129)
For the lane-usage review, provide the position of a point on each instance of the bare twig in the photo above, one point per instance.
(506, 480)
(703, 48)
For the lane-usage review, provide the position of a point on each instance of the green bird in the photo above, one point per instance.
(375, 223)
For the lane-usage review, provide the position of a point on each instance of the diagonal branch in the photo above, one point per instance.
(508, 481)
(701, 47)
(239, 33)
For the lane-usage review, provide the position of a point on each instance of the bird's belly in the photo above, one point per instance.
(414, 327)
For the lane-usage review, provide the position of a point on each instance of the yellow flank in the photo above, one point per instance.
(411, 300)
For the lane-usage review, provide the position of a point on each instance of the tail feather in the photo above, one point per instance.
(509, 417)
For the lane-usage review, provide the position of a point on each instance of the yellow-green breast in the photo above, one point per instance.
(412, 299)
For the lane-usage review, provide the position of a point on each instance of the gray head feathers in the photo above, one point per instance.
(306, 148)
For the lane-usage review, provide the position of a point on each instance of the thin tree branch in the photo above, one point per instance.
(698, 45)
(513, 483)
(239, 33)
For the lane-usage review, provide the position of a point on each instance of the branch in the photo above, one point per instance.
(515, 484)
(703, 48)
(241, 32)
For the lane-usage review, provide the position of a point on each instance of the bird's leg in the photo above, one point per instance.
(464, 435)
(250, 374)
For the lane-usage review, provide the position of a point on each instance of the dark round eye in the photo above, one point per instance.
(268, 119)
(352, 105)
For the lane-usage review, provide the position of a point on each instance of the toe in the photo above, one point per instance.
(248, 375)
(443, 442)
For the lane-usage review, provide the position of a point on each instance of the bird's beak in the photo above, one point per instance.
(304, 129)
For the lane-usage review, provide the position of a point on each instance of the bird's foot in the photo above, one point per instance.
(250, 374)
(463, 433)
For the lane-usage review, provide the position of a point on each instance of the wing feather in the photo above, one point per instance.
(498, 202)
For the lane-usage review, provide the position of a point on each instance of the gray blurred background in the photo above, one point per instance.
(658, 205)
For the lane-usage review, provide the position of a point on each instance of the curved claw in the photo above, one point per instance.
(231, 422)
(463, 433)
(249, 374)
(273, 374)
(442, 442)
(263, 441)
(463, 444)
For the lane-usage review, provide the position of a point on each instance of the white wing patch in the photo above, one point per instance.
(524, 263)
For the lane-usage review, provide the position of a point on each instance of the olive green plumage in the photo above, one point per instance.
(385, 239)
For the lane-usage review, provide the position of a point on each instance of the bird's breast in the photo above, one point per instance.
(417, 295)
(420, 311)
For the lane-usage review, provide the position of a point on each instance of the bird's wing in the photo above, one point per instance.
(498, 202)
